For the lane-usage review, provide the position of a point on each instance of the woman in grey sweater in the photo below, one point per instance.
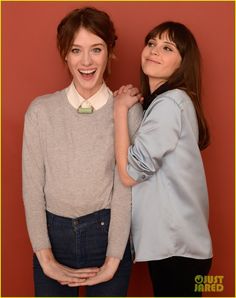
(77, 210)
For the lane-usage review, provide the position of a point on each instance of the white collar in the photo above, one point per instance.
(97, 100)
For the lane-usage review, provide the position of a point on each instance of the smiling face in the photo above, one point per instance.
(87, 60)
(159, 59)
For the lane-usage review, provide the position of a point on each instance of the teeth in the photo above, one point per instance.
(87, 71)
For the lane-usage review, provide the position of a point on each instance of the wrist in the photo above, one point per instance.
(120, 106)
(120, 111)
(45, 256)
(112, 261)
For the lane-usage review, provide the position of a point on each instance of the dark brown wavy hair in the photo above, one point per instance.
(96, 21)
(187, 77)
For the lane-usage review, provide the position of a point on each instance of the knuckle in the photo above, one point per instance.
(110, 276)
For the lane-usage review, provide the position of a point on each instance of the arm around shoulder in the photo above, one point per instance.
(126, 125)
(135, 116)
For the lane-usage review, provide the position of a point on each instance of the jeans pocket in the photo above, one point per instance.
(103, 226)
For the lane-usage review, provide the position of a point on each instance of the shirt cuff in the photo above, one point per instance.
(136, 175)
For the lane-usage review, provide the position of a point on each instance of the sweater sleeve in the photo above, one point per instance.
(121, 199)
(33, 174)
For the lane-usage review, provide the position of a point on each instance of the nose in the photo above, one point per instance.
(155, 50)
(86, 59)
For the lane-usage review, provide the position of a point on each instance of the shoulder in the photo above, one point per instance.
(45, 103)
(135, 116)
(180, 97)
(175, 99)
(136, 111)
(176, 96)
(167, 107)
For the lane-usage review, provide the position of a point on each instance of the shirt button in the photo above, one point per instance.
(102, 223)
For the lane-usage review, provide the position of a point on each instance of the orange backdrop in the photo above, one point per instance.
(31, 66)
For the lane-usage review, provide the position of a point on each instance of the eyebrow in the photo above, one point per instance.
(93, 45)
(165, 41)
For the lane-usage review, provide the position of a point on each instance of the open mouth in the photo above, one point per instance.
(87, 73)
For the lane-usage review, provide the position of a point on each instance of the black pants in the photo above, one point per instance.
(81, 243)
(175, 276)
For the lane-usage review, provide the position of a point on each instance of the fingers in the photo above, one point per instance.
(76, 279)
(73, 283)
(93, 280)
(67, 275)
(88, 270)
(141, 99)
(78, 272)
(120, 90)
(123, 89)
(79, 282)
(130, 90)
(84, 275)
(133, 91)
(127, 88)
(87, 282)
(105, 273)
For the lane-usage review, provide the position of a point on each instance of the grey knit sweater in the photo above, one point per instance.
(69, 168)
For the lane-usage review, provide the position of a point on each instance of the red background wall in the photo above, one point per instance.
(32, 67)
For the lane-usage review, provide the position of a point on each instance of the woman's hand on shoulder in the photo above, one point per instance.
(127, 96)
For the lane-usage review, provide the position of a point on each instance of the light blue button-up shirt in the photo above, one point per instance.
(170, 204)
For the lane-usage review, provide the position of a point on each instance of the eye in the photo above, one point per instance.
(97, 50)
(150, 44)
(75, 50)
(168, 49)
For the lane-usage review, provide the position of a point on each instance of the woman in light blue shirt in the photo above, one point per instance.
(164, 165)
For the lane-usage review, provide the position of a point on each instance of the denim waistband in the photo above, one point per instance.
(88, 218)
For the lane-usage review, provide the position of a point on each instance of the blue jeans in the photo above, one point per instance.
(81, 243)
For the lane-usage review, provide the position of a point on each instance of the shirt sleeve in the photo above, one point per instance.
(119, 229)
(33, 174)
(157, 136)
